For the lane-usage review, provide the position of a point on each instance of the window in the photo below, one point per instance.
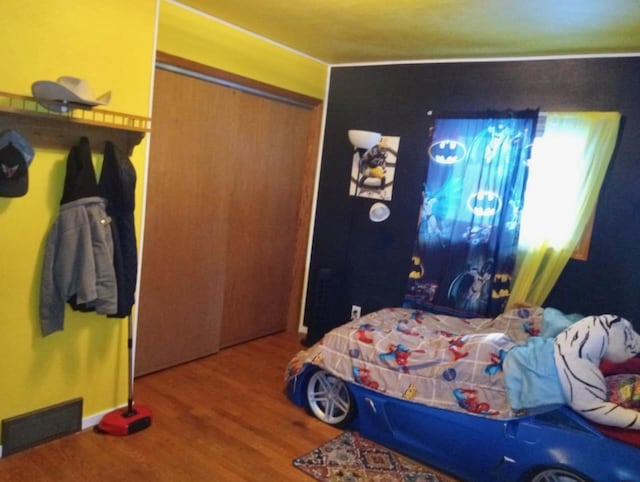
(555, 192)
(567, 166)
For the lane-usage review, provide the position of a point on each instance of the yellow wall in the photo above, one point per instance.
(188, 34)
(111, 44)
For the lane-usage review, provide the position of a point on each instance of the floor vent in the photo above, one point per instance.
(33, 428)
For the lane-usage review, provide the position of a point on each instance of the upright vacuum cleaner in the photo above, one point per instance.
(132, 418)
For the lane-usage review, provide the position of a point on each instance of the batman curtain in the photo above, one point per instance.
(467, 235)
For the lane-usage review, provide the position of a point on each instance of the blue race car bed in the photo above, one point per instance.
(434, 387)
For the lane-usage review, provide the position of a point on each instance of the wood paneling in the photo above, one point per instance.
(184, 254)
(298, 267)
(229, 194)
(264, 201)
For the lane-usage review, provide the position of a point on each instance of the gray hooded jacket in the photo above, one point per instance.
(78, 260)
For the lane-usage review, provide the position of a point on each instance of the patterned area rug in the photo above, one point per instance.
(351, 458)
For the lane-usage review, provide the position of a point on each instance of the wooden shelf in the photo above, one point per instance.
(50, 129)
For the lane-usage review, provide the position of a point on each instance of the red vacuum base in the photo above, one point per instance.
(125, 421)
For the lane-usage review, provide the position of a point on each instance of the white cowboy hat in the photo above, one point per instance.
(67, 92)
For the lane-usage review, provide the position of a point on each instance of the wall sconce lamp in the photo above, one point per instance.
(363, 139)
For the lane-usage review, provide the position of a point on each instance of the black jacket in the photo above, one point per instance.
(80, 177)
(117, 185)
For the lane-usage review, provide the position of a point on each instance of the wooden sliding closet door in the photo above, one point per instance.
(268, 164)
(184, 252)
(221, 228)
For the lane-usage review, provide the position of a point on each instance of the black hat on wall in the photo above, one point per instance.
(15, 157)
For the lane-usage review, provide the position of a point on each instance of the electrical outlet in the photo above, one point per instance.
(355, 311)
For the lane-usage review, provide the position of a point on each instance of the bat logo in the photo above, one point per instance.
(484, 203)
(9, 171)
(447, 151)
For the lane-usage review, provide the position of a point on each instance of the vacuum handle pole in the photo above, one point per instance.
(130, 370)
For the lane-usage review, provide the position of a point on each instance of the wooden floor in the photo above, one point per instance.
(220, 418)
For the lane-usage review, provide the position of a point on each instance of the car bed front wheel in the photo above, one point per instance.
(557, 475)
(329, 399)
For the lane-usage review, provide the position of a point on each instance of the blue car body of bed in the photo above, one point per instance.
(476, 448)
(441, 389)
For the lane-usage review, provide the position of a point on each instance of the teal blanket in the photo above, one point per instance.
(530, 374)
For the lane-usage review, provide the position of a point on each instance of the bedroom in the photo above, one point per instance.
(607, 279)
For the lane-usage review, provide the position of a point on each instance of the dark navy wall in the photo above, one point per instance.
(356, 261)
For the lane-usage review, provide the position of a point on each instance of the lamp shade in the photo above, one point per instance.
(379, 212)
(363, 139)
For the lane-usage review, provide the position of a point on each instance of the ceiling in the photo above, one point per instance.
(356, 31)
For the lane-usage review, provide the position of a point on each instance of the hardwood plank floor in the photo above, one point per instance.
(221, 418)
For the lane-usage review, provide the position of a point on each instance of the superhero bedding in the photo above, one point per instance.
(483, 366)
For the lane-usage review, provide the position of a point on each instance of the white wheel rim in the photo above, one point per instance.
(557, 475)
(328, 397)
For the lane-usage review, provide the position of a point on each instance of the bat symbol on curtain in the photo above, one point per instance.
(484, 203)
(447, 151)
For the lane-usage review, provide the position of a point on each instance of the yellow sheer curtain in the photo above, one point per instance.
(567, 167)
